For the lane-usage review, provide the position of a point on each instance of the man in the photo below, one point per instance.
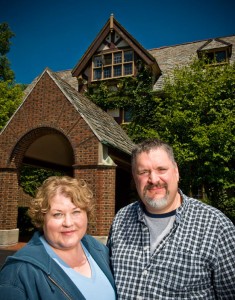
(169, 246)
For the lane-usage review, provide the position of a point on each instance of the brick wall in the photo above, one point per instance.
(47, 110)
(8, 196)
(101, 179)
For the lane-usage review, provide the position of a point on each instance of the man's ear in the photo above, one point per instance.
(177, 172)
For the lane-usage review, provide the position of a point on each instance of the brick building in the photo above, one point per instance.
(57, 126)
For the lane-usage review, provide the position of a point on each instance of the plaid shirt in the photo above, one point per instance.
(196, 260)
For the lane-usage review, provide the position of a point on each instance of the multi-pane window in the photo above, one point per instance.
(216, 56)
(97, 74)
(112, 65)
(97, 61)
(127, 69)
(117, 57)
(107, 72)
(107, 59)
(220, 56)
(117, 71)
(128, 56)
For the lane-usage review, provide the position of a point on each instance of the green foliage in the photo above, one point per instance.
(111, 97)
(196, 116)
(5, 35)
(5, 71)
(31, 178)
(127, 91)
(24, 224)
(11, 96)
(201, 121)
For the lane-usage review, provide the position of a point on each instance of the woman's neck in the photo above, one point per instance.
(76, 259)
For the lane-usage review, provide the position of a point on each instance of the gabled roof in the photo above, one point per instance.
(218, 44)
(102, 125)
(170, 57)
(214, 44)
(113, 25)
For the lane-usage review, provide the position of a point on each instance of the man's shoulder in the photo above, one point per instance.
(198, 204)
(129, 209)
(205, 211)
(127, 215)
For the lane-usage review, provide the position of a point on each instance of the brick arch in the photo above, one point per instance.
(86, 164)
(19, 150)
(9, 178)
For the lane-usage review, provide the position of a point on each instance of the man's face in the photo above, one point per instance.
(156, 178)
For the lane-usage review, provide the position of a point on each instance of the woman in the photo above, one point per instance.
(60, 261)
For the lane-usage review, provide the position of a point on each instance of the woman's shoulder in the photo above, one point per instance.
(94, 246)
(93, 242)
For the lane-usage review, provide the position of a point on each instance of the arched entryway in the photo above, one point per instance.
(57, 128)
(49, 149)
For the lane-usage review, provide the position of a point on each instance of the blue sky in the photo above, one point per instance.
(56, 33)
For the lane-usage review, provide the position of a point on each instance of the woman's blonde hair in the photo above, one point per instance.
(76, 189)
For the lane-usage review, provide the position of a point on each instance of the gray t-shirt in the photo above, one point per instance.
(159, 226)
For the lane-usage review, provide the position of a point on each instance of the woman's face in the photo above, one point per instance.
(64, 223)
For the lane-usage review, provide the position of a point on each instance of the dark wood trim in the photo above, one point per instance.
(143, 53)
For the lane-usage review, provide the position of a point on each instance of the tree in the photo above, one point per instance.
(10, 98)
(32, 177)
(196, 117)
(5, 35)
(195, 114)
(11, 94)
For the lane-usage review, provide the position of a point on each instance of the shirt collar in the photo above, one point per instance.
(180, 210)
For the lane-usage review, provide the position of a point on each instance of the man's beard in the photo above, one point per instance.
(156, 203)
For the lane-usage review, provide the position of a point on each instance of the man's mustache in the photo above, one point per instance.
(150, 186)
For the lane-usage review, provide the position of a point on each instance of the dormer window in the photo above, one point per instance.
(215, 51)
(216, 56)
(113, 65)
